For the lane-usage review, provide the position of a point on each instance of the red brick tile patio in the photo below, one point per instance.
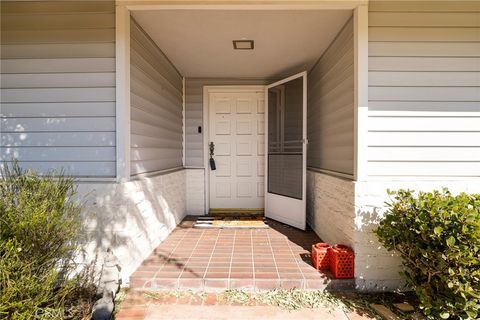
(247, 259)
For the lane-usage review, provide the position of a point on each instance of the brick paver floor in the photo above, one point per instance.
(220, 259)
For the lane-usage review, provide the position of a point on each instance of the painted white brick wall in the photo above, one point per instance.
(195, 191)
(132, 218)
(330, 208)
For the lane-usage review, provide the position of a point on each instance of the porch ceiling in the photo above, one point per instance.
(199, 42)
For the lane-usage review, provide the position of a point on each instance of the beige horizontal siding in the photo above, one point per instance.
(156, 107)
(62, 124)
(426, 34)
(409, 79)
(58, 153)
(29, 21)
(54, 36)
(57, 7)
(82, 65)
(57, 94)
(423, 169)
(433, 64)
(58, 109)
(58, 50)
(424, 49)
(417, 19)
(330, 107)
(424, 89)
(63, 139)
(424, 6)
(424, 139)
(58, 86)
(56, 80)
(91, 168)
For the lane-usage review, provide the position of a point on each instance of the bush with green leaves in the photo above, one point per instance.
(40, 225)
(437, 235)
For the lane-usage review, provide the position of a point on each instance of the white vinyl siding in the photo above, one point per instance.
(194, 113)
(424, 89)
(58, 86)
(330, 107)
(156, 107)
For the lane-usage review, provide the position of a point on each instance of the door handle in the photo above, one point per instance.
(212, 153)
(212, 149)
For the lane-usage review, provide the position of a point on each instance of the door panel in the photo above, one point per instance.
(286, 151)
(237, 128)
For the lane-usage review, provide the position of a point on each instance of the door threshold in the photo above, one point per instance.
(229, 212)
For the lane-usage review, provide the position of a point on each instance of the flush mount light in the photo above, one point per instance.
(243, 44)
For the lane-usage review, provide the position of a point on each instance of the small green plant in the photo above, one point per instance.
(40, 226)
(438, 237)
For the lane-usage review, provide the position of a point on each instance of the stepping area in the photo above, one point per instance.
(246, 259)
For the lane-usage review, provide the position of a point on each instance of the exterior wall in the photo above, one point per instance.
(424, 90)
(196, 191)
(58, 111)
(330, 207)
(330, 106)
(156, 107)
(424, 109)
(194, 114)
(58, 86)
(132, 218)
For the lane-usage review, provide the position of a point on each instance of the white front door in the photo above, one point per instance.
(237, 131)
(286, 162)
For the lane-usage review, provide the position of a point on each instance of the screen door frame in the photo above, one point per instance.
(282, 208)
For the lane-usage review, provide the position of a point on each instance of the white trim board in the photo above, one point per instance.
(246, 5)
(122, 88)
(360, 105)
(183, 122)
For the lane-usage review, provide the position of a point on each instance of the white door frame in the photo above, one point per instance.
(207, 90)
(302, 75)
(122, 69)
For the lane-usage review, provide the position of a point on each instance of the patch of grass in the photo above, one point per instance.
(295, 299)
(153, 295)
(157, 295)
(235, 296)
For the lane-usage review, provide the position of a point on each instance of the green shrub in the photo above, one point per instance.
(438, 237)
(39, 233)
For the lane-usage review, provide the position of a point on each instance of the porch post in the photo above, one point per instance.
(360, 36)
(122, 62)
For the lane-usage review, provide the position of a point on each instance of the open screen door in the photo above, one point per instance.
(286, 146)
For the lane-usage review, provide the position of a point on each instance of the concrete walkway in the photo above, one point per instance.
(220, 312)
(155, 305)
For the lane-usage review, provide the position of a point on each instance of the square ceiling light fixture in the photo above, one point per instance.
(243, 44)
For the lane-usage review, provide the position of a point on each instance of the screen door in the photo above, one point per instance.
(286, 169)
